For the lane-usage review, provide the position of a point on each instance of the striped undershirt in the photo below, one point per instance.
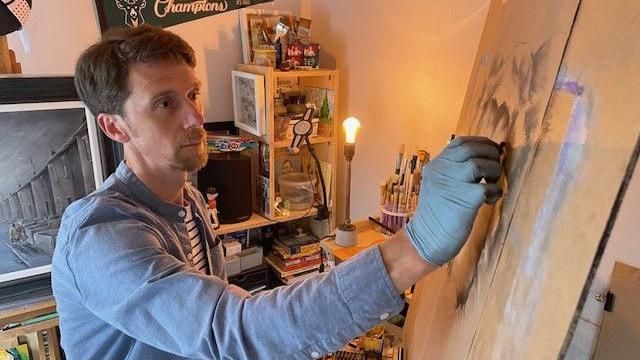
(198, 252)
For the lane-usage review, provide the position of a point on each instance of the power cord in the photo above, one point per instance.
(321, 268)
(323, 209)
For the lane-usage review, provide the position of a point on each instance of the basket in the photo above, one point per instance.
(394, 220)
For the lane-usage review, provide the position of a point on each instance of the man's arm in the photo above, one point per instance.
(453, 187)
(126, 279)
(402, 261)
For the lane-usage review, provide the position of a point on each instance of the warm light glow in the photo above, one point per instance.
(351, 126)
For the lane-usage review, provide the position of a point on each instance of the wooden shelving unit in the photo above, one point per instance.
(325, 146)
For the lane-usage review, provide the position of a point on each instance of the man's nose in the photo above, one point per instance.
(194, 115)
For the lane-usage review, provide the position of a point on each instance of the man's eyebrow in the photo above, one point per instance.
(196, 85)
(162, 94)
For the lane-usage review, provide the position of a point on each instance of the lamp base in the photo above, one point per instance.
(346, 235)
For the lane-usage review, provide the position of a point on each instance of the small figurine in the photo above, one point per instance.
(279, 207)
(212, 195)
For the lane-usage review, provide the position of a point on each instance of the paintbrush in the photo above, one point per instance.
(383, 197)
(396, 199)
(403, 169)
(399, 162)
(383, 191)
(401, 209)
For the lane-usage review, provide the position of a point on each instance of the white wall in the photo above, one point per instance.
(60, 30)
(404, 68)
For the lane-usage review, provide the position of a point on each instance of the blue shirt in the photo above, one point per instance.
(125, 288)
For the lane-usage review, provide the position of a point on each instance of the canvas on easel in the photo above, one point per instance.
(514, 289)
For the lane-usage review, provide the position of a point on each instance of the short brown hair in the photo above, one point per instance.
(102, 71)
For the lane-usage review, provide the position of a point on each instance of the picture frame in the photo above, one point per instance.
(55, 157)
(248, 102)
(249, 34)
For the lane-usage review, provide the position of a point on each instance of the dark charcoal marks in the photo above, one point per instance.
(498, 109)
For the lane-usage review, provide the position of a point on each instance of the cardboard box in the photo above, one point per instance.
(233, 265)
(250, 257)
(232, 247)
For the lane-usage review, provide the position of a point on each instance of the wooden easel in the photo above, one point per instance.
(8, 64)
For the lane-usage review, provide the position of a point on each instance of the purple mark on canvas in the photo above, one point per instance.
(568, 85)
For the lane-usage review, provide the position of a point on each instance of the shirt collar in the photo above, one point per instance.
(141, 193)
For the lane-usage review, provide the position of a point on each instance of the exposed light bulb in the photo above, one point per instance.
(351, 126)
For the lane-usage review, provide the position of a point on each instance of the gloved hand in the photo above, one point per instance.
(451, 195)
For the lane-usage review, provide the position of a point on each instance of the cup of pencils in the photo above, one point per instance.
(399, 193)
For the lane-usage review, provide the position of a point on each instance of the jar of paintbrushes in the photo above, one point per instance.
(399, 193)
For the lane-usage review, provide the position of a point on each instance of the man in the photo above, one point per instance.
(137, 273)
(14, 235)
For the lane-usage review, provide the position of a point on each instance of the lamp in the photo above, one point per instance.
(301, 131)
(346, 232)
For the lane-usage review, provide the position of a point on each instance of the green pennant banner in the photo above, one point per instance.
(163, 13)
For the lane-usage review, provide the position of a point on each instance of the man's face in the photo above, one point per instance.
(164, 115)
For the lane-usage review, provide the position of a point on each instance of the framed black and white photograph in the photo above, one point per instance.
(50, 156)
(248, 102)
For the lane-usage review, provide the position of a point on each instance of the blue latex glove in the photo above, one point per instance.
(451, 195)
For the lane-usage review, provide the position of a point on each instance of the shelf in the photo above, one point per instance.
(31, 328)
(256, 221)
(296, 214)
(30, 308)
(302, 73)
(314, 140)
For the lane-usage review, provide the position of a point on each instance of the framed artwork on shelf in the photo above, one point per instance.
(248, 102)
(257, 27)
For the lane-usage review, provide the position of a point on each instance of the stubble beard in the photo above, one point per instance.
(186, 159)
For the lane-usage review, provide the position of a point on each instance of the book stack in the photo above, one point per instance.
(295, 255)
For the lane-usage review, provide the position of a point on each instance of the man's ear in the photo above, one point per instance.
(114, 127)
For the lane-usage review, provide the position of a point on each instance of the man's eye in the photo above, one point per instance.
(194, 95)
(164, 104)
